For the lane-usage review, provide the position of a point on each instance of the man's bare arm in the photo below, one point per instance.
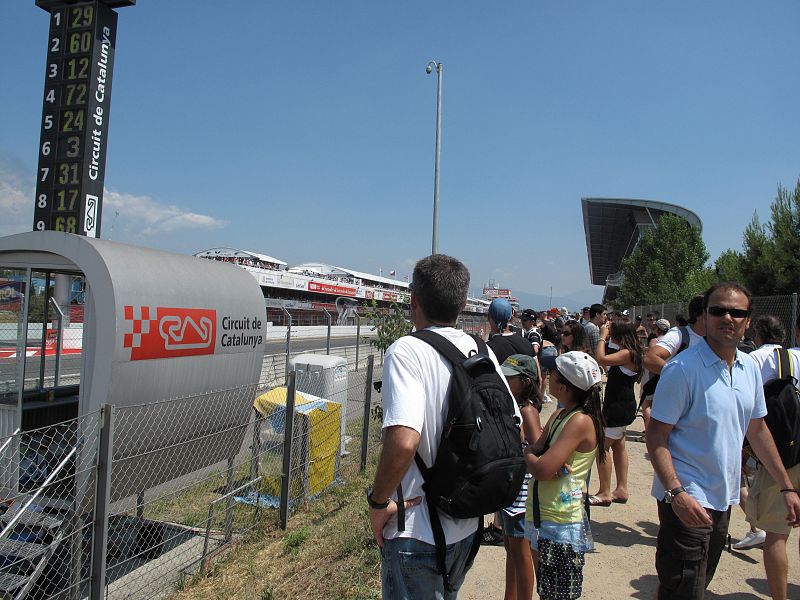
(399, 447)
(655, 358)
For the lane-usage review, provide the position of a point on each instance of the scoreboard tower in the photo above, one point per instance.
(75, 114)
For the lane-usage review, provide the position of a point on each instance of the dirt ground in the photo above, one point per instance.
(623, 565)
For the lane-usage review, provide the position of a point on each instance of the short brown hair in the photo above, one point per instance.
(441, 283)
(729, 286)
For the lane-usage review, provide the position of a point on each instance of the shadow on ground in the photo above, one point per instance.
(612, 533)
(647, 585)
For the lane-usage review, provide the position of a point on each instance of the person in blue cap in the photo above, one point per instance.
(502, 340)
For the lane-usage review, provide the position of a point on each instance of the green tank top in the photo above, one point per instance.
(561, 500)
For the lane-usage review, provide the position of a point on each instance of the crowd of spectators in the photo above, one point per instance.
(631, 352)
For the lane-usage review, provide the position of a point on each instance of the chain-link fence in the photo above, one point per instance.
(783, 307)
(129, 501)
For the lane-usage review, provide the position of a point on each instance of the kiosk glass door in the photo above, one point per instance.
(13, 283)
(52, 349)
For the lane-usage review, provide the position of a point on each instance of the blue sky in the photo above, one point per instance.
(305, 130)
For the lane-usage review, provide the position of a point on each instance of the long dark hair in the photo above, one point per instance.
(578, 338)
(531, 392)
(590, 402)
(625, 335)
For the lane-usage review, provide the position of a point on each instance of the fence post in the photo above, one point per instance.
(367, 407)
(254, 466)
(102, 501)
(330, 322)
(358, 337)
(793, 324)
(287, 450)
(288, 342)
(229, 501)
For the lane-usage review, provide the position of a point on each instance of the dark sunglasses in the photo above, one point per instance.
(735, 313)
(565, 332)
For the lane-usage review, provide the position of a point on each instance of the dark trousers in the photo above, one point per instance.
(687, 557)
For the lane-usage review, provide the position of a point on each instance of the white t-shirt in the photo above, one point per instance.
(672, 340)
(416, 380)
(766, 360)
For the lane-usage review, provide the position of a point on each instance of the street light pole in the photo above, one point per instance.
(429, 70)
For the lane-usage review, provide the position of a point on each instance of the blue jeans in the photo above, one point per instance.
(409, 572)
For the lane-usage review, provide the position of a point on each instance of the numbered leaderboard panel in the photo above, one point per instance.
(77, 101)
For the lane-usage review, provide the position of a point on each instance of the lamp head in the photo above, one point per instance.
(429, 67)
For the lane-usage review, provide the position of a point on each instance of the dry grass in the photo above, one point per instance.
(327, 552)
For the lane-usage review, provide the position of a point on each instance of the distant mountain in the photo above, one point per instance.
(574, 301)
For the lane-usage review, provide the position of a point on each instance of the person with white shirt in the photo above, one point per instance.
(769, 335)
(416, 379)
(764, 506)
(670, 344)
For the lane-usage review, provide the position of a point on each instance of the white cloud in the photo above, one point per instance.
(16, 198)
(150, 217)
(141, 214)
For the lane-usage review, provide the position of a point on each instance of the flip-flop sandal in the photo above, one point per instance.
(595, 501)
(619, 500)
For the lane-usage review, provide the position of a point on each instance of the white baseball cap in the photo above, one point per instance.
(580, 369)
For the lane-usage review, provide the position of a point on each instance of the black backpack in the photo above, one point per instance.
(479, 468)
(783, 410)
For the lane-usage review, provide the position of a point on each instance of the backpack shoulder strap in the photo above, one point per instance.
(784, 363)
(444, 346)
(684, 339)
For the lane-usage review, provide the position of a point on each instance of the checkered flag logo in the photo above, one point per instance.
(140, 324)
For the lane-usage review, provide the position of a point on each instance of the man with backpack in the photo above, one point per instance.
(765, 501)
(677, 339)
(425, 551)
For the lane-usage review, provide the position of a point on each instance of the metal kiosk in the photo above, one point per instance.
(89, 327)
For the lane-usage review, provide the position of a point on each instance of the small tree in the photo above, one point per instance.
(667, 264)
(388, 324)
(770, 262)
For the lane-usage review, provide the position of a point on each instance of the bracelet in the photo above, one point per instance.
(376, 505)
(794, 491)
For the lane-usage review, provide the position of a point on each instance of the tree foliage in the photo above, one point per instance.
(388, 324)
(728, 266)
(668, 264)
(770, 263)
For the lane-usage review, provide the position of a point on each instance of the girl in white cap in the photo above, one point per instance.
(560, 462)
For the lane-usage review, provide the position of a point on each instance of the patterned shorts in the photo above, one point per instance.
(560, 571)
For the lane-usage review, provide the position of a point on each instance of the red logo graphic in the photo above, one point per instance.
(171, 332)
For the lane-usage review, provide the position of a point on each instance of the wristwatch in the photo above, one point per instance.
(669, 495)
(376, 505)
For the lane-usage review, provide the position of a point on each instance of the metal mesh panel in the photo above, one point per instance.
(47, 496)
(171, 460)
(783, 307)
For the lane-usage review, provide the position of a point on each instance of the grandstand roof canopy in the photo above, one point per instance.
(235, 253)
(326, 269)
(613, 227)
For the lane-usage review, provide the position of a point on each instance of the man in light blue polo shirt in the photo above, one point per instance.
(708, 398)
